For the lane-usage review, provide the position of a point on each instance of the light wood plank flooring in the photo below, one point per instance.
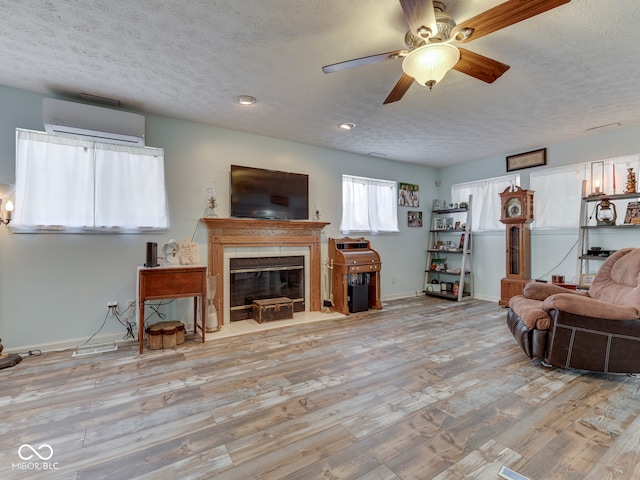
(423, 389)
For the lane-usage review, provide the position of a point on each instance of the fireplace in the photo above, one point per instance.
(236, 238)
(259, 278)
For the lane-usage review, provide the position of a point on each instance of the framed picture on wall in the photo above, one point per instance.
(632, 216)
(408, 195)
(534, 158)
(414, 219)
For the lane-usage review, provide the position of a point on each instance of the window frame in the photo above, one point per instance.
(366, 220)
(45, 161)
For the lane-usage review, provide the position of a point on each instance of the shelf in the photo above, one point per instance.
(622, 196)
(449, 296)
(446, 272)
(623, 225)
(593, 257)
(449, 230)
(450, 210)
(438, 250)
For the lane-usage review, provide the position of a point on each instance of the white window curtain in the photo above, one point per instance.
(368, 205)
(558, 191)
(71, 184)
(485, 210)
(138, 177)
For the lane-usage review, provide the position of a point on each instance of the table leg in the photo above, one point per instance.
(195, 315)
(141, 324)
(203, 314)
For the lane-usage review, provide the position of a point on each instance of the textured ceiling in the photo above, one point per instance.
(573, 68)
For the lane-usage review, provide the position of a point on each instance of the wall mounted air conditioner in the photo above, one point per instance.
(93, 123)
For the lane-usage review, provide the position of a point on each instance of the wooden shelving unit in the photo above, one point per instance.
(449, 236)
(589, 261)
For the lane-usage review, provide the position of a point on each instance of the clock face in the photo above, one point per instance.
(513, 208)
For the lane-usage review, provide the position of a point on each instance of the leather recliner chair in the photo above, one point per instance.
(598, 330)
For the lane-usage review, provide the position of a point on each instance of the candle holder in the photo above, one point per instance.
(597, 179)
(210, 203)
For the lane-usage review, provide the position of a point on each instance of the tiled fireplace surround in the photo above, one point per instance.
(247, 238)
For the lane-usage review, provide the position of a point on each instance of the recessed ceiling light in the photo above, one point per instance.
(347, 126)
(246, 100)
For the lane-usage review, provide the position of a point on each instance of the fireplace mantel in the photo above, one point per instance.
(242, 232)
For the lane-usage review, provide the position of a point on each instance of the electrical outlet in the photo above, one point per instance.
(112, 308)
(130, 311)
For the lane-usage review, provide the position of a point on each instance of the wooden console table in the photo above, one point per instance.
(158, 283)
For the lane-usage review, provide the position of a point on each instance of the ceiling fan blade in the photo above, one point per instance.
(503, 15)
(357, 62)
(480, 67)
(421, 17)
(400, 89)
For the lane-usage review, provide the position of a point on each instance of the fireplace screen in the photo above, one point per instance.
(265, 277)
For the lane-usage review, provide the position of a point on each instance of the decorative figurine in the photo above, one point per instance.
(631, 181)
(170, 252)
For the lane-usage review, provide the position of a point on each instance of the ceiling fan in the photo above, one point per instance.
(432, 32)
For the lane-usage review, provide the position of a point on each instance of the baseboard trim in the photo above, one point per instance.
(69, 345)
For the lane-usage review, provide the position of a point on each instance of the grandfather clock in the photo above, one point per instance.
(517, 214)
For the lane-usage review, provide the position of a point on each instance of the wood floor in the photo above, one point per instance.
(423, 389)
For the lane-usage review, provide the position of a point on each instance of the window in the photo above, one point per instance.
(368, 205)
(558, 191)
(485, 209)
(69, 184)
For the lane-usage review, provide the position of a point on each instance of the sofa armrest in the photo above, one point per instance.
(589, 307)
(540, 291)
(530, 312)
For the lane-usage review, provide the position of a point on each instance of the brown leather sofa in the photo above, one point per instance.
(597, 330)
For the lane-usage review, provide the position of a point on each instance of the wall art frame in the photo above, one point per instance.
(534, 158)
(414, 219)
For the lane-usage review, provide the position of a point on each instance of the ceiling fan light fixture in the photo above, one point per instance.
(347, 126)
(428, 64)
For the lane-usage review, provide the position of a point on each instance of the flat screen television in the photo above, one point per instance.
(269, 194)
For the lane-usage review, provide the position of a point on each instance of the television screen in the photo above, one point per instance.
(269, 194)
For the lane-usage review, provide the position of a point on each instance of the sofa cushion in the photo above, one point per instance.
(530, 312)
(618, 280)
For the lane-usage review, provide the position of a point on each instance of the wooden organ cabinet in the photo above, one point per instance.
(355, 282)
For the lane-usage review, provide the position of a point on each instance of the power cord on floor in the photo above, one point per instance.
(128, 325)
(31, 353)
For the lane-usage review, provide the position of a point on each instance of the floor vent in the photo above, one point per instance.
(93, 349)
